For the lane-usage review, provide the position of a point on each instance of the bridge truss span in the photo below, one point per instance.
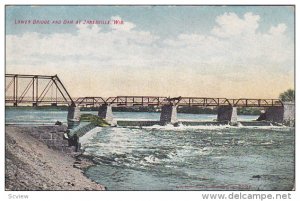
(131, 101)
(90, 101)
(201, 101)
(35, 90)
(246, 102)
(125, 101)
(137, 100)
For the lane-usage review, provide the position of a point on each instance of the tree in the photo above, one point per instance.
(288, 95)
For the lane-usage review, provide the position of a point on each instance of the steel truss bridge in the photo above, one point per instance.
(39, 90)
(35, 90)
(129, 101)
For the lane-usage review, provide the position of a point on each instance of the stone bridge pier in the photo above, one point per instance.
(284, 115)
(105, 112)
(73, 116)
(168, 115)
(227, 114)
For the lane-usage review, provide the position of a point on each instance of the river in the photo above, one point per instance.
(184, 157)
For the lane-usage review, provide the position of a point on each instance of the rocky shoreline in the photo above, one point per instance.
(30, 165)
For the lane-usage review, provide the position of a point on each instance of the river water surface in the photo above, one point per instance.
(184, 157)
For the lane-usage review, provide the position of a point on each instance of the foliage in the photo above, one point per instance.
(135, 109)
(288, 95)
(197, 110)
(249, 111)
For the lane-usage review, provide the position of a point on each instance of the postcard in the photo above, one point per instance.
(150, 98)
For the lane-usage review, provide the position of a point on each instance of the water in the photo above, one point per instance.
(184, 157)
(38, 116)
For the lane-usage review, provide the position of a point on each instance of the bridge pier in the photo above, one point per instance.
(105, 112)
(285, 114)
(168, 115)
(227, 114)
(73, 116)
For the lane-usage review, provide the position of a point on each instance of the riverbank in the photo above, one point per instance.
(31, 165)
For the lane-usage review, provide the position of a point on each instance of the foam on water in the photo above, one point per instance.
(182, 127)
(89, 135)
(152, 159)
(267, 143)
(165, 155)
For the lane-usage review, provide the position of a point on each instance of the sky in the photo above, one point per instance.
(199, 51)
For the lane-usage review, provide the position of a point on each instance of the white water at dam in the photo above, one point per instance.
(192, 158)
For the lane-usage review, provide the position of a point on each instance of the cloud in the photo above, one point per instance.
(124, 60)
(230, 25)
(86, 29)
(279, 29)
(235, 42)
